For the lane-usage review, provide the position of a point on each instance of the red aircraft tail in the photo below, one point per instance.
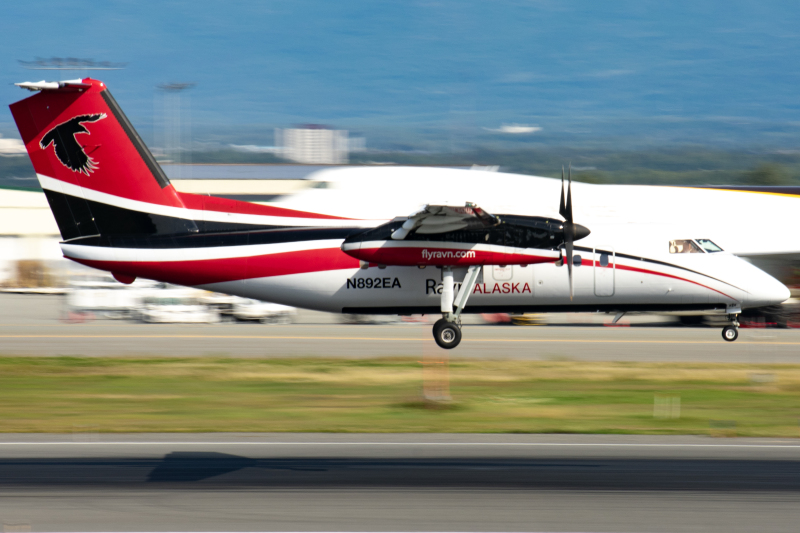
(98, 175)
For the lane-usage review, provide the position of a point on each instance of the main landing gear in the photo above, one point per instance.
(446, 334)
(731, 333)
(447, 330)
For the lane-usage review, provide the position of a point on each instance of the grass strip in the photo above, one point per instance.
(77, 394)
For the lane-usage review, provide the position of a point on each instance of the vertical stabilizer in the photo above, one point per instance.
(98, 175)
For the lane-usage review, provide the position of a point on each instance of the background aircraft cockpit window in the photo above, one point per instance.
(684, 246)
(709, 246)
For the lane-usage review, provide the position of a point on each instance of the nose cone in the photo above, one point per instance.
(580, 232)
(765, 290)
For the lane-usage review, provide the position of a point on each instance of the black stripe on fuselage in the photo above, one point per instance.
(655, 262)
(272, 235)
(91, 223)
(77, 218)
(72, 214)
(577, 308)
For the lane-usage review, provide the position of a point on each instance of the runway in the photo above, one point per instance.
(431, 482)
(33, 325)
(321, 482)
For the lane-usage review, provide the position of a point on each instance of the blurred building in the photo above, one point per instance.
(249, 183)
(313, 144)
(29, 252)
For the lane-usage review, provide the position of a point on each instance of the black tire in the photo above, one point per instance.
(730, 333)
(446, 334)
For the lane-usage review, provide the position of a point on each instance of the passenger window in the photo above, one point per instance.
(709, 246)
(576, 260)
(603, 260)
(684, 246)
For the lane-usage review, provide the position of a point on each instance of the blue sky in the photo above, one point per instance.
(717, 72)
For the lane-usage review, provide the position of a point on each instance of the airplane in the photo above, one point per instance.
(380, 247)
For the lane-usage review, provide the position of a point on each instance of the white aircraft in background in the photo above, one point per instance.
(393, 240)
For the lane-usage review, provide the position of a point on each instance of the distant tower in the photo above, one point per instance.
(313, 144)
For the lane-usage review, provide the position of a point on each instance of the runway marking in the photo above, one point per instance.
(429, 444)
(392, 339)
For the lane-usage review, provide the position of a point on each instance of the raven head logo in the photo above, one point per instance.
(68, 150)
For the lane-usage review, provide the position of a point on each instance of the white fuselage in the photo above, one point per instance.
(687, 281)
(631, 225)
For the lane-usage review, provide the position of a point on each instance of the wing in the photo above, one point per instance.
(444, 218)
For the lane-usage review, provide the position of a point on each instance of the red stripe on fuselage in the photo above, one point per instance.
(436, 256)
(589, 262)
(207, 271)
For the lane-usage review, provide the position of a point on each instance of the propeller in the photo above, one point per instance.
(572, 232)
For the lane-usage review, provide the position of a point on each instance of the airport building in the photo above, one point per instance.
(313, 144)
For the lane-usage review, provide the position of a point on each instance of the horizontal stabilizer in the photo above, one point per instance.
(51, 85)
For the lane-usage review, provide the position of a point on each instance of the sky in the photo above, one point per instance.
(408, 73)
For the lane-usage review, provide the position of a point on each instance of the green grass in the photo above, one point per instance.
(67, 394)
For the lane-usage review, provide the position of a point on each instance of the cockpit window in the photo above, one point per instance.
(320, 185)
(684, 246)
(709, 246)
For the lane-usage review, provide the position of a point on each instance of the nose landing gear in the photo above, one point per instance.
(731, 333)
(447, 330)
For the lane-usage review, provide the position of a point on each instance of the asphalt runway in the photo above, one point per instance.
(322, 482)
(33, 325)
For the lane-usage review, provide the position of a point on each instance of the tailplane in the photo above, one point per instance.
(97, 174)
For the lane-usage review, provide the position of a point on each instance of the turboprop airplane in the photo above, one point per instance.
(380, 252)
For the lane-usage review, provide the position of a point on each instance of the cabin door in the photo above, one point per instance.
(604, 271)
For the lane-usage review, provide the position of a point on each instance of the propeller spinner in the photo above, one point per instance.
(572, 232)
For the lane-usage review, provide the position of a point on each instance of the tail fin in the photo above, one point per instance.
(99, 177)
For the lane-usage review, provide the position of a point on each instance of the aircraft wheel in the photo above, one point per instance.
(730, 333)
(446, 334)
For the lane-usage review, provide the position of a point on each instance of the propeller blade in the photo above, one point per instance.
(571, 230)
(568, 237)
(568, 209)
(562, 208)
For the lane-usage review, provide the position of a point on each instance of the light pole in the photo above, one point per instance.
(174, 125)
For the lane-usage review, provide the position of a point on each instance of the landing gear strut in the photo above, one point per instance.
(731, 333)
(447, 330)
